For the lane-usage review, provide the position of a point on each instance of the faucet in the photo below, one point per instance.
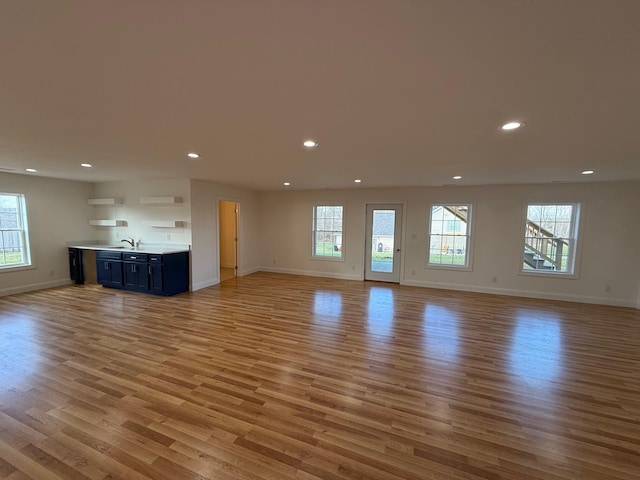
(130, 242)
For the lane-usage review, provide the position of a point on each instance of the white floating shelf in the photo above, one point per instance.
(106, 223)
(162, 223)
(160, 200)
(104, 201)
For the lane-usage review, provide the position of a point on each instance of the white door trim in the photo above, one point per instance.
(369, 272)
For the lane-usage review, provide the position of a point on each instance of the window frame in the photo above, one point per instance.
(468, 265)
(23, 229)
(574, 240)
(331, 258)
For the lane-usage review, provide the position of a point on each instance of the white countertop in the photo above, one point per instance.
(152, 249)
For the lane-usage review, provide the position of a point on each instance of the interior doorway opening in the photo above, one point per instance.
(228, 227)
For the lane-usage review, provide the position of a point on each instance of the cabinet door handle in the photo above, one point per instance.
(149, 269)
(74, 262)
(106, 265)
(133, 258)
(133, 269)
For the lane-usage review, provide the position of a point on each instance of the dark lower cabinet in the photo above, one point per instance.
(109, 268)
(76, 268)
(166, 274)
(156, 277)
(136, 272)
(169, 273)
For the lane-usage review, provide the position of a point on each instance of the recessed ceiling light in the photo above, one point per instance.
(511, 126)
(86, 165)
(587, 172)
(310, 143)
(357, 180)
(457, 177)
(286, 184)
(193, 155)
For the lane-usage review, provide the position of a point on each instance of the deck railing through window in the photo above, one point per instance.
(545, 245)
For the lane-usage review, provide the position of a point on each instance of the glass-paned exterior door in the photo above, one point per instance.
(384, 235)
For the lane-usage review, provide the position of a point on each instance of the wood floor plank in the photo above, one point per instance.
(25, 464)
(270, 377)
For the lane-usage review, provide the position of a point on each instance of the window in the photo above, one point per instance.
(449, 235)
(549, 238)
(14, 241)
(327, 231)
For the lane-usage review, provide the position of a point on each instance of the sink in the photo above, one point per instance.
(107, 246)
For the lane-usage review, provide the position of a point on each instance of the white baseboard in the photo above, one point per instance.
(34, 286)
(249, 271)
(618, 302)
(216, 281)
(311, 273)
(206, 283)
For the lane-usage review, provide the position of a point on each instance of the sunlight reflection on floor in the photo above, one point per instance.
(536, 349)
(327, 304)
(18, 351)
(441, 336)
(380, 311)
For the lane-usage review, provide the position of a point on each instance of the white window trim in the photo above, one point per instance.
(469, 248)
(323, 258)
(578, 208)
(24, 229)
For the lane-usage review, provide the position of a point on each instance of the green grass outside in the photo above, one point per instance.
(382, 257)
(327, 250)
(11, 258)
(446, 259)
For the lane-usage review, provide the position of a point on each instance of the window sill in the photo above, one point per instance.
(329, 259)
(17, 268)
(547, 274)
(451, 268)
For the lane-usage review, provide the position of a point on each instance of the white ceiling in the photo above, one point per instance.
(396, 92)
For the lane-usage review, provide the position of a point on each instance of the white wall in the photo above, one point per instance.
(57, 213)
(135, 213)
(205, 197)
(609, 253)
(286, 223)
(275, 232)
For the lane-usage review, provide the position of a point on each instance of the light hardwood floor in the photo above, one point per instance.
(286, 377)
(226, 274)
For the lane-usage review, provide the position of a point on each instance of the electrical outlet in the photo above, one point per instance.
(168, 236)
(413, 272)
(607, 289)
(52, 273)
(494, 280)
(353, 267)
(274, 261)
